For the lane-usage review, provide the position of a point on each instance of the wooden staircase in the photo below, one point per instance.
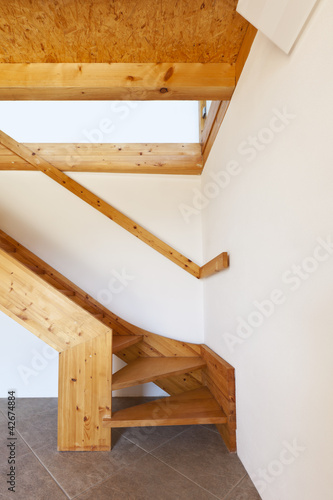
(201, 385)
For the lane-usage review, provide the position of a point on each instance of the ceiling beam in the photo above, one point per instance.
(245, 50)
(116, 81)
(180, 159)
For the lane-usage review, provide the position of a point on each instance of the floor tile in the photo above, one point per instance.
(77, 471)
(21, 448)
(201, 456)
(147, 478)
(32, 481)
(245, 490)
(40, 430)
(211, 427)
(30, 407)
(150, 438)
(3, 406)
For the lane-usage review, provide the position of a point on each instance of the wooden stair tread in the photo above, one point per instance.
(189, 408)
(120, 342)
(144, 370)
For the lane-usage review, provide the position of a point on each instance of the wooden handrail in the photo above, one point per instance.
(109, 211)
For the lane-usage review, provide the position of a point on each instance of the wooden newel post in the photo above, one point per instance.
(85, 373)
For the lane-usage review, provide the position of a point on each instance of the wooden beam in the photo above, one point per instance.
(116, 81)
(180, 159)
(85, 373)
(216, 265)
(202, 108)
(245, 50)
(112, 213)
(218, 113)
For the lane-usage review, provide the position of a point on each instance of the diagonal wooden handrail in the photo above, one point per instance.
(96, 202)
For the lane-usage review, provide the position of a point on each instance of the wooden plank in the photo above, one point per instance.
(189, 408)
(111, 212)
(245, 50)
(120, 342)
(202, 108)
(76, 31)
(219, 377)
(85, 373)
(219, 263)
(43, 310)
(117, 81)
(177, 384)
(211, 117)
(145, 370)
(175, 159)
(219, 117)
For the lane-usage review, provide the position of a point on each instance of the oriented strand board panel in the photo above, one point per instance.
(51, 31)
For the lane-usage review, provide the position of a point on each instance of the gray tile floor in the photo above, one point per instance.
(163, 463)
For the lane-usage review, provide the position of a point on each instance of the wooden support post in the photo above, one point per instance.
(85, 373)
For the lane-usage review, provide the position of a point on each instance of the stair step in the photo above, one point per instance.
(120, 342)
(144, 370)
(189, 408)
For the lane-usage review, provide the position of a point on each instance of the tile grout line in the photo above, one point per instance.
(211, 430)
(177, 435)
(108, 477)
(181, 474)
(235, 486)
(44, 467)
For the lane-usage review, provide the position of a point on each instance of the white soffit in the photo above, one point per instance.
(280, 20)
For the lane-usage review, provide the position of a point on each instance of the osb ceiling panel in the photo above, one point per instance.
(120, 31)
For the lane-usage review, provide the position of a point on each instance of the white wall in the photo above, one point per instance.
(269, 216)
(92, 251)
